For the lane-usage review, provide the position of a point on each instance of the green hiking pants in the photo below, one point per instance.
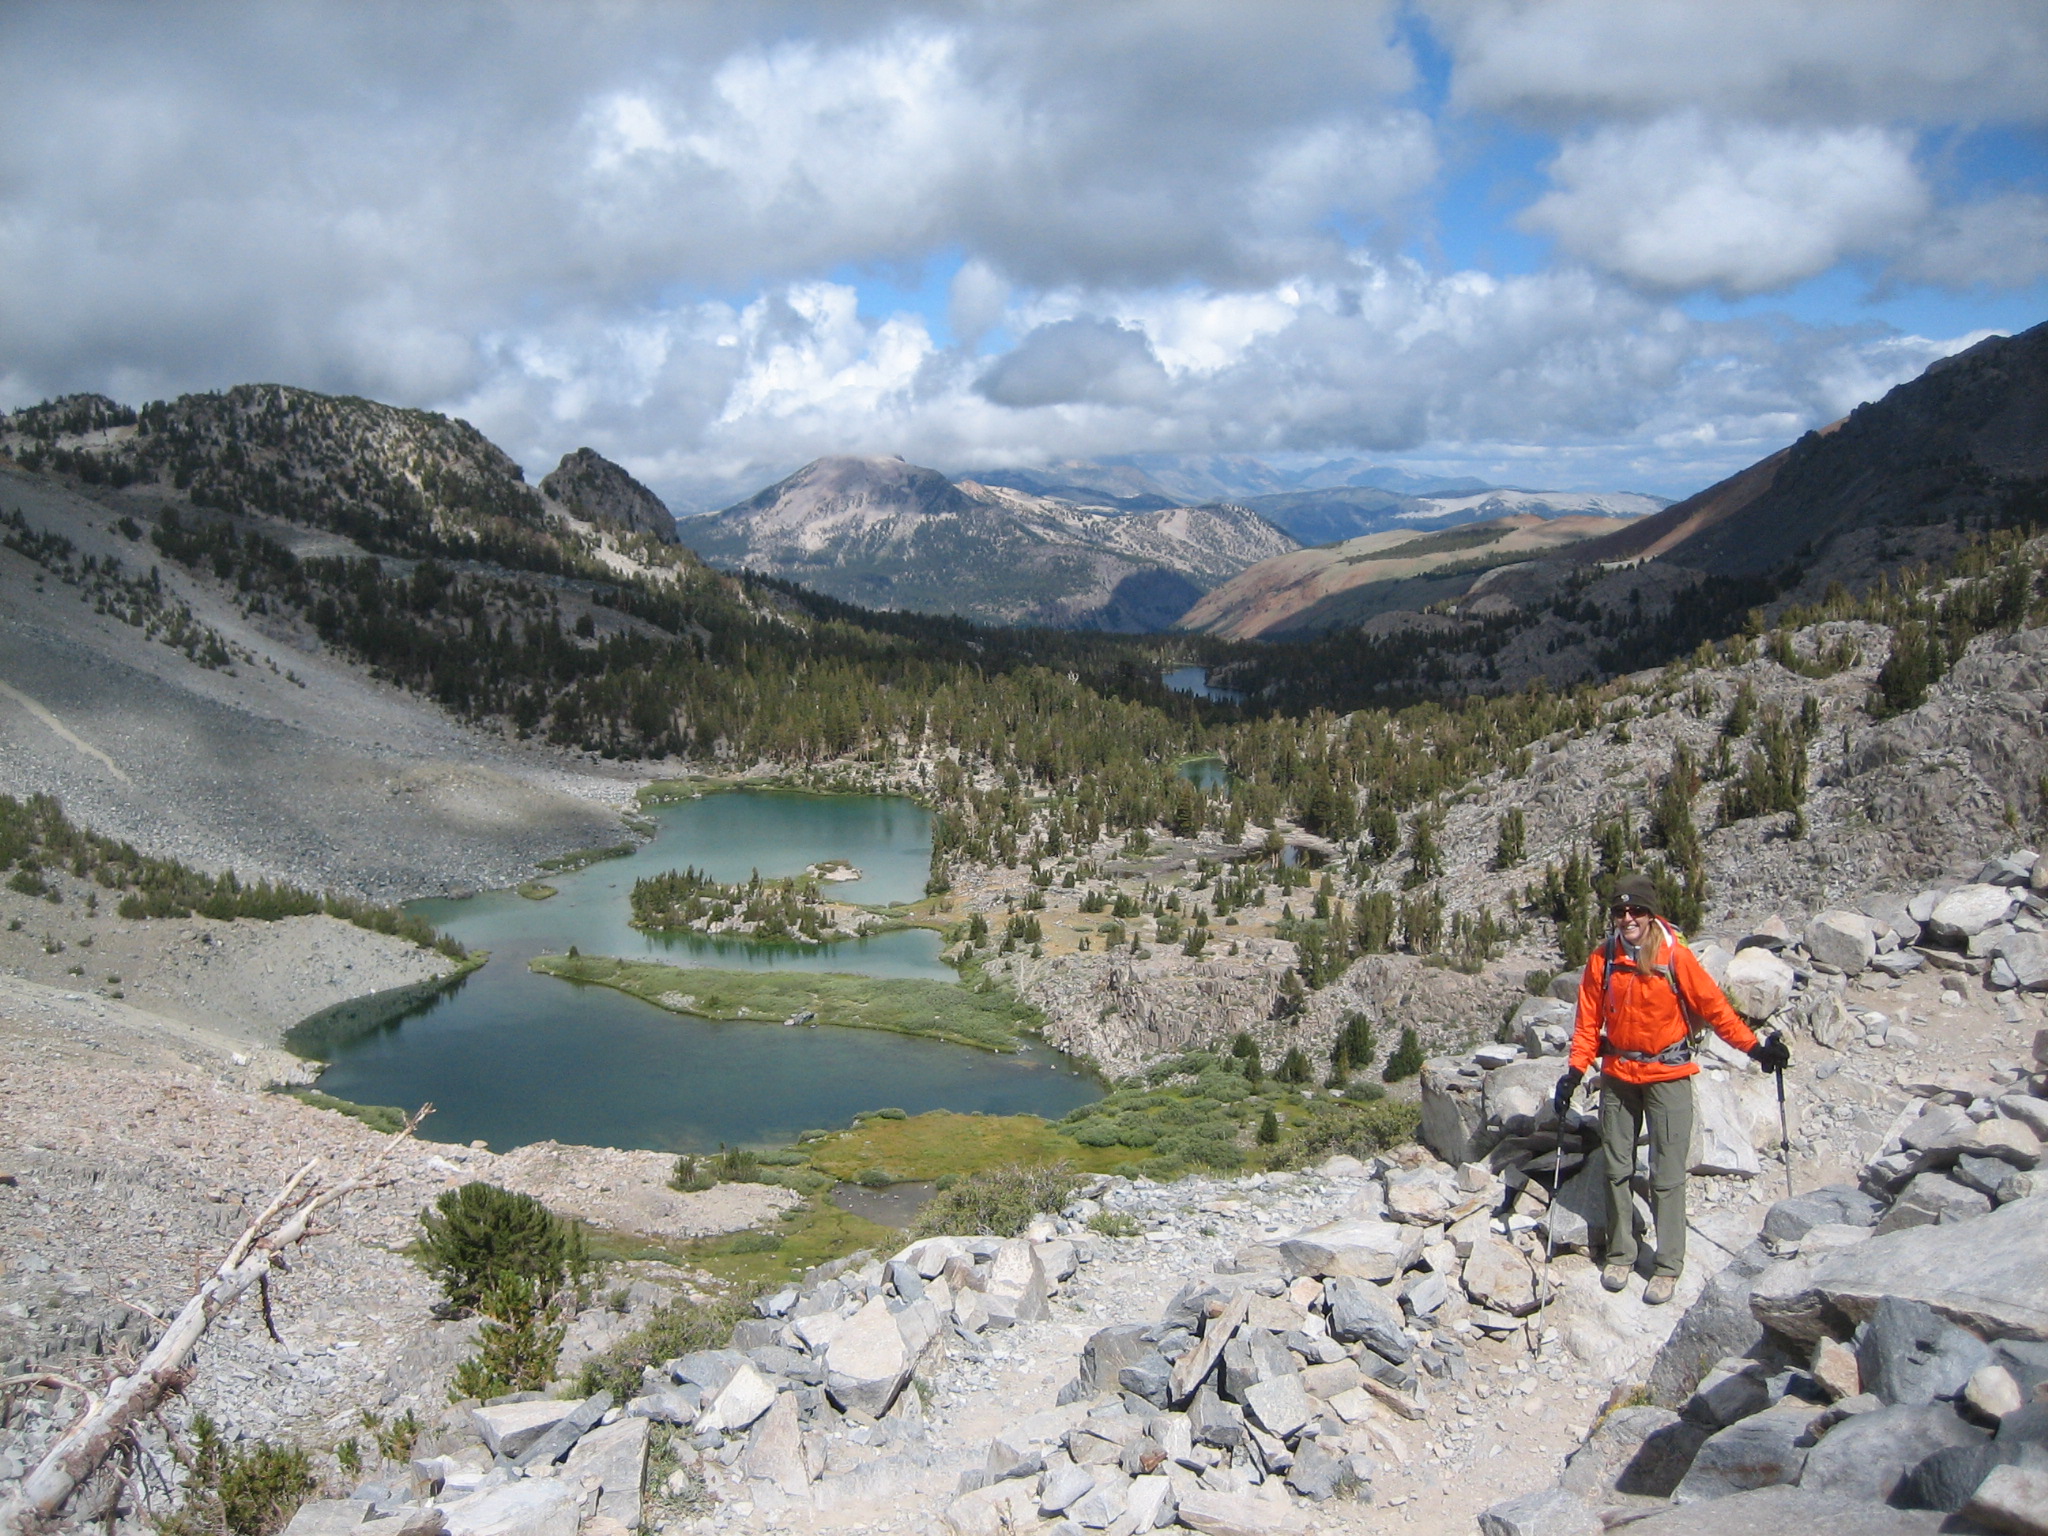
(1623, 1109)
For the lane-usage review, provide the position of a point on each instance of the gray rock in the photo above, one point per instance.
(775, 1449)
(2027, 1361)
(1992, 1393)
(1787, 1512)
(1319, 1473)
(1945, 1479)
(1270, 1355)
(1499, 1277)
(1758, 1452)
(532, 1506)
(566, 1431)
(2012, 869)
(2025, 958)
(1733, 1390)
(1714, 1327)
(1425, 1293)
(1453, 1116)
(1238, 1514)
(1194, 1366)
(1108, 1351)
(509, 1429)
(1758, 983)
(1017, 1284)
(1547, 1512)
(1063, 1485)
(1827, 1019)
(904, 1279)
(1281, 1406)
(1792, 1218)
(1213, 1421)
(328, 1517)
(739, 1402)
(406, 1520)
(1518, 1096)
(1933, 1199)
(1614, 1445)
(707, 1369)
(866, 1364)
(1967, 911)
(2027, 1110)
(1661, 1462)
(1150, 1377)
(1868, 1456)
(1900, 962)
(2011, 1499)
(1576, 1218)
(753, 1332)
(1360, 1312)
(1102, 1503)
(1149, 1502)
(1991, 1177)
(1844, 940)
(614, 1456)
(1720, 1132)
(1909, 1354)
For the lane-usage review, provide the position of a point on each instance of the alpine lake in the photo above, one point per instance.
(508, 1055)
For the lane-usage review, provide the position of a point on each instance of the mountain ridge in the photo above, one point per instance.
(892, 535)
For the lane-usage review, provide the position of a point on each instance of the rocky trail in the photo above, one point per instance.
(1362, 1346)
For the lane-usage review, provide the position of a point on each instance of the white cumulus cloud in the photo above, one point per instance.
(1682, 202)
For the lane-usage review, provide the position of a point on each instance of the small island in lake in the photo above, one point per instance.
(788, 911)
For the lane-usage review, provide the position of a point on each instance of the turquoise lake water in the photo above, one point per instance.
(512, 1057)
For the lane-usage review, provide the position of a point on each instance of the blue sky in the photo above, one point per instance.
(1597, 244)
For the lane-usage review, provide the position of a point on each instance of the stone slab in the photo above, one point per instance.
(1788, 1512)
(1989, 1275)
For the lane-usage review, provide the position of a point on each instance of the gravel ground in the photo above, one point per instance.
(295, 765)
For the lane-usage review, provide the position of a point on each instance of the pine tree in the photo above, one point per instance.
(1509, 840)
(1407, 1058)
(1269, 1129)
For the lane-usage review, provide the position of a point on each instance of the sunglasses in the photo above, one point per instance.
(1630, 909)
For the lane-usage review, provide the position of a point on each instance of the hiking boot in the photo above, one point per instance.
(1615, 1277)
(1660, 1290)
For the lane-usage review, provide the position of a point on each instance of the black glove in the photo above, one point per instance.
(1566, 1087)
(1770, 1053)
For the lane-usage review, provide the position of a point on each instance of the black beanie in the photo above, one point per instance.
(1637, 891)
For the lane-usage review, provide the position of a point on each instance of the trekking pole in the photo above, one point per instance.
(1550, 1229)
(1784, 1131)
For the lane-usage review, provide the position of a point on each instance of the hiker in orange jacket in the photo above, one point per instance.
(1641, 993)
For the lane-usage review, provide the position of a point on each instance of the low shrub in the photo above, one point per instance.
(239, 1490)
(675, 1329)
(998, 1202)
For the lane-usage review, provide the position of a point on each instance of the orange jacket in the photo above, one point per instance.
(1640, 1012)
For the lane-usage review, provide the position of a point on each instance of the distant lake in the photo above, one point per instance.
(512, 1057)
(1195, 680)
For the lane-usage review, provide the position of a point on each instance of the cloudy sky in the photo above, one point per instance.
(1615, 244)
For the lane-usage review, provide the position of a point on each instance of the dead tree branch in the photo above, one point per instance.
(95, 1435)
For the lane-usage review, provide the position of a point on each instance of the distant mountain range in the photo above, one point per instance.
(887, 534)
(1118, 545)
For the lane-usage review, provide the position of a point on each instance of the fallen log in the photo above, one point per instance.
(108, 1420)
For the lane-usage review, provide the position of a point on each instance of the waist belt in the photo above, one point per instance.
(1671, 1056)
